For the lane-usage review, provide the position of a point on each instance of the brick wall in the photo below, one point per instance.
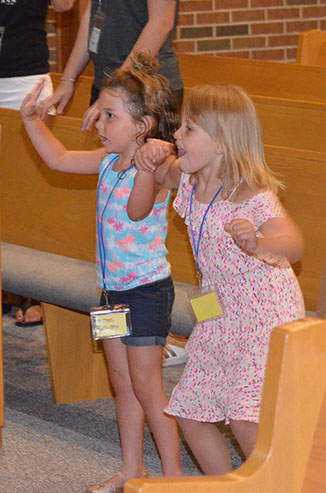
(51, 39)
(260, 29)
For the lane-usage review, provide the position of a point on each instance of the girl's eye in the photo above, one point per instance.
(188, 127)
(109, 115)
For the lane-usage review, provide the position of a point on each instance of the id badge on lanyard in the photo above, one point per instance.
(97, 26)
(110, 321)
(205, 301)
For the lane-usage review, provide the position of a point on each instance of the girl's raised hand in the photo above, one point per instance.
(152, 154)
(243, 233)
(29, 104)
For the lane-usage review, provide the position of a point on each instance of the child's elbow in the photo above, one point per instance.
(297, 251)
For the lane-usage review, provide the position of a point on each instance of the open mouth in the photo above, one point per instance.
(181, 152)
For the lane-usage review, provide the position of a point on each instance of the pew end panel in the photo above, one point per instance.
(293, 394)
(77, 370)
(312, 47)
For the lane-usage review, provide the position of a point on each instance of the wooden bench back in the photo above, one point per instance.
(258, 77)
(292, 400)
(282, 80)
(284, 122)
(55, 212)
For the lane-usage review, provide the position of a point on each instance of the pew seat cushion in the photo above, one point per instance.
(68, 282)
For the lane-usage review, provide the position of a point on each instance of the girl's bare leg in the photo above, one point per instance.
(207, 445)
(130, 414)
(246, 434)
(145, 365)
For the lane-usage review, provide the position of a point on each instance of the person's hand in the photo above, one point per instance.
(60, 98)
(152, 154)
(90, 116)
(29, 104)
(243, 233)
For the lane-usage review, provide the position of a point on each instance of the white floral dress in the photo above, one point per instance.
(224, 374)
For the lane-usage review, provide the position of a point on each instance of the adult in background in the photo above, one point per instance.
(109, 33)
(24, 58)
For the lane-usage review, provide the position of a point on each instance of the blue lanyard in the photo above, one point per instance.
(196, 247)
(101, 246)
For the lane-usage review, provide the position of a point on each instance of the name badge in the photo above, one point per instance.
(96, 32)
(205, 304)
(110, 321)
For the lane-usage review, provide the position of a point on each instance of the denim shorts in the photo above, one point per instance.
(150, 309)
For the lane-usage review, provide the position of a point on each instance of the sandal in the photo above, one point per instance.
(112, 485)
(24, 306)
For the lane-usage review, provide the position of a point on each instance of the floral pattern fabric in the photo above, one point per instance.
(224, 374)
(132, 252)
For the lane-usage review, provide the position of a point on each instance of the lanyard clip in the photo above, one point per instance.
(199, 277)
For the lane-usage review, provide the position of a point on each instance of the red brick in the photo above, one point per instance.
(313, 12)
(298, 26)
(267, 28)
(186, 20)
(267, 3)
(252, 42)
(196, 32)
(291, 54)
(50, 27)
(231, 4)
(51, 41)
(248, 15)
(213, 18)
(232, 30)
(195, 5)
(213, 45)
(238, 54)
(301, 2)
(184, 46)
(283, 14)
(50, 14)
(284, 40)
(268, 54)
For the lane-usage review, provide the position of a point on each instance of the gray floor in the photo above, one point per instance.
(61, 448)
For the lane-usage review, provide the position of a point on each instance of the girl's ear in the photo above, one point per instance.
(145, 126)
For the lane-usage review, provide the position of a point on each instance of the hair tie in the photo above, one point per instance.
(137, 66)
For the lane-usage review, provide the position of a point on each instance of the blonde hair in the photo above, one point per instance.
(145, 92)
(228, 115)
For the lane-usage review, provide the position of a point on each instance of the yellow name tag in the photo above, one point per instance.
(206, 306)
(110, 321)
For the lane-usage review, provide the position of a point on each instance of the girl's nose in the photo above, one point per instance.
(176, 133)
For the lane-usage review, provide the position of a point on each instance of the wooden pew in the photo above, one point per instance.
(293, 407)
(39, 199)
(312, 48)
(299, 124)
(258, 77)
(282, 80)
(55, 212)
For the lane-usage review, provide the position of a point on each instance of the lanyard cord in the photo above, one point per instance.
(100, 218)
(196, 247)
